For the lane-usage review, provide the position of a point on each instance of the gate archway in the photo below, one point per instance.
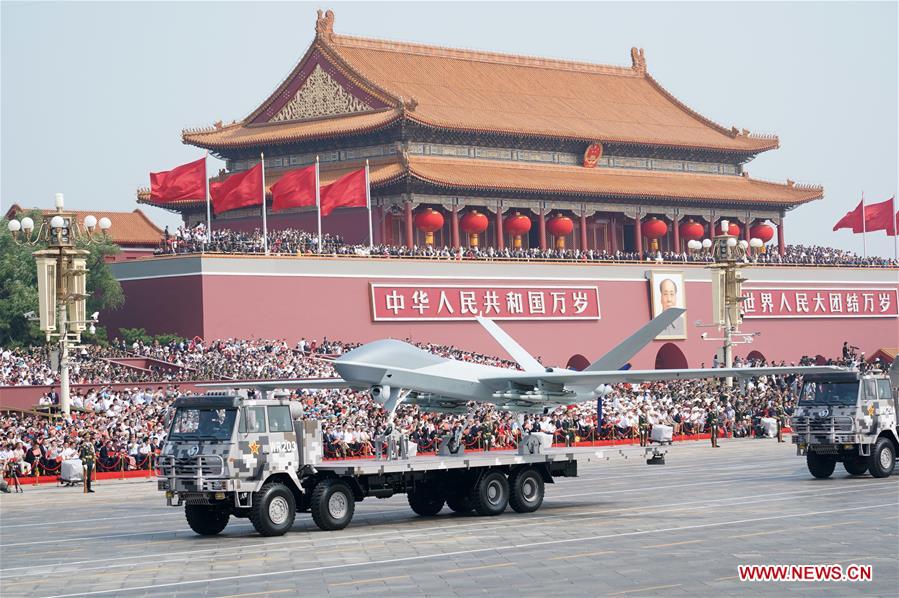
(577, 362)
(670, 357)
(755, 356)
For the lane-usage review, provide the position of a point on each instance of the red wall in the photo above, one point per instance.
(284, 304)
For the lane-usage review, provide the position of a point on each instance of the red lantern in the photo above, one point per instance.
(654, 229)
(428, 222)
(517, 224)
(473, 223)
(691, 231)
(762, 231)
(733, 229)
(560, 226)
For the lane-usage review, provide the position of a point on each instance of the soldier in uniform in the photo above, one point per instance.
(711, 421)
(568, 430)
(88, 456)
(780, 416)
(487, 432)
(643, 426)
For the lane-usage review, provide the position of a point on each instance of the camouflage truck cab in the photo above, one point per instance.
(850, 418)
(227, 454)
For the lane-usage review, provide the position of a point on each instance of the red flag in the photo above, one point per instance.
(294, 189)
(852, 219)
(187, 181)
(346, 192)
(238, 191)
(879, 216)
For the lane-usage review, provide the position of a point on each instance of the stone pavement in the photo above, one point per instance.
(621, 529)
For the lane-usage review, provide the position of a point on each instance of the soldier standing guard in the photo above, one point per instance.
(711, 421)
(780, 415)
(487, 432)
(643, 426)
(88, 455)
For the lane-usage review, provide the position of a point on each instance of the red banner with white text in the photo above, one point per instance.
(397, 302)
(821, 303)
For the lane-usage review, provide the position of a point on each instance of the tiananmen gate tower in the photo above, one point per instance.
(584, 151)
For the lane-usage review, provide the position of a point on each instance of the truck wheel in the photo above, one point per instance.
(490, 496)
(459, 503)
(206, 520)
(332, 505)
(426, 500)
(855, 465)
(882, 459)
(820, 466)
(527, 489)
(274, 509)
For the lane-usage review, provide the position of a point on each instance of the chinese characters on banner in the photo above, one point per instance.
(415, 302)
(820, 303)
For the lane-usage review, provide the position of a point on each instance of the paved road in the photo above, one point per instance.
(622, 529)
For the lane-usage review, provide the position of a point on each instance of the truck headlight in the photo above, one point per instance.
(169, 494)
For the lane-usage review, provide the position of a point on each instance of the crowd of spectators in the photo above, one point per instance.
(131, 424)
(286, 241)
(293, 242)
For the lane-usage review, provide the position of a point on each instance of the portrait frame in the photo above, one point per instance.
(678, 329)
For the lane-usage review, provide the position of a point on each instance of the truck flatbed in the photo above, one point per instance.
(479, 459)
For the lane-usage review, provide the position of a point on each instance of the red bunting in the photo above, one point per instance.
(346, 192)
(187, 181)
(237, 191)
(294, 189)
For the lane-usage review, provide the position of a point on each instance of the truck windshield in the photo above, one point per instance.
(830, 393)
(203, 424)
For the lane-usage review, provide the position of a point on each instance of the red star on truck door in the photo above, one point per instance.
(254, 447)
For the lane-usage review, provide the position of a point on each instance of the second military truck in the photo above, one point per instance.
(849, 417)
(228, 454)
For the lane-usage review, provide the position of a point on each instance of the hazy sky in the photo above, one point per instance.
(94, 95)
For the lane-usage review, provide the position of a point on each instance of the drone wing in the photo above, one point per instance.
(637, 376)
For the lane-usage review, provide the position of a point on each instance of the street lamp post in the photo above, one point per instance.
(729, 256)
(62, 278)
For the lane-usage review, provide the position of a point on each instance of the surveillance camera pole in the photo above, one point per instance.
(728, 254)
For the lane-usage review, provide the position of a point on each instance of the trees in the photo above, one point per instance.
(18, 285)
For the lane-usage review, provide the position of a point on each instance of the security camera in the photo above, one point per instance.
(704, 335)
(29, 314)
(95, 315)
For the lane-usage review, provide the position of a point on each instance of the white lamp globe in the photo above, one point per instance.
(90, 222)
(14, 226)
(744, 244)
(756, 243)
(27, 223)
(105, 223)
(57, 222)
(725, 227)
(706, 243)
(694, 244)
(731, 242)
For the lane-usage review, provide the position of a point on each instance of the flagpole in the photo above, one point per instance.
(318, 206)
(895, 230)
(864, 230)
(371, 239)
(208, 209)
(264, 223)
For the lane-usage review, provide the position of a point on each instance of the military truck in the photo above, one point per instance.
(233, 454)
(851, 418)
